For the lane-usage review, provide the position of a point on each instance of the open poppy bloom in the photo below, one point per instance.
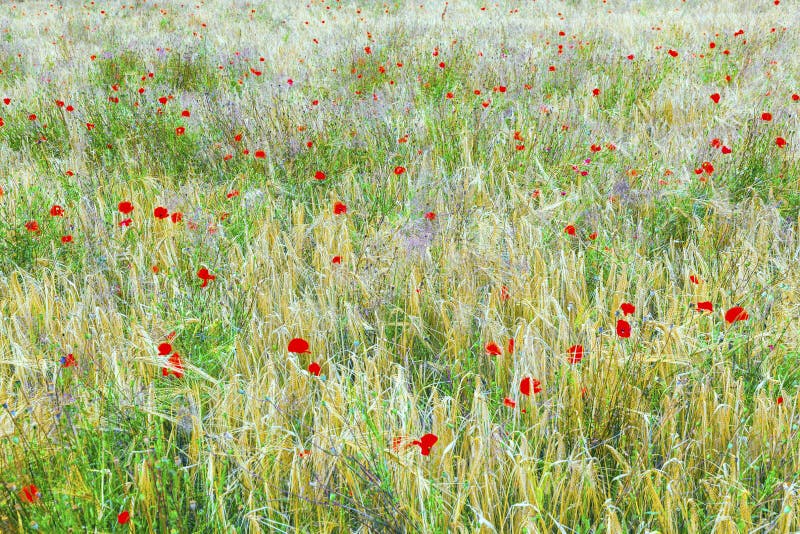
(492, 349)
(575, 354)
(737, 313)
(339, 208)
(68, 361)
(175, 366)
(510, 403)
(298, 345)
(530, 385)
(426, 443)
(125, 207)
(160, 212)
(627, 308)
(623, 328)
(705, 306)
(314, 368)
(205, 276)
(30, 493)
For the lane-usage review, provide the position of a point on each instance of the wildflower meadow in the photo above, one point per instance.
(327, 266)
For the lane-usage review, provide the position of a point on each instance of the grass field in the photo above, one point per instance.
(334, 266)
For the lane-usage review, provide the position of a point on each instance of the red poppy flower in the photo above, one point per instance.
(511, 346)
(164, 349)
(314, 368)
(780, 141)
(510, 403)
(694, 279)
(575, 354)
(426, 443)
(123, 517)
(337, 260)
(705, 306)
(430, 216)
(56, 211)
(260, 154)
(175, 366)
(66, 239)
(569, 229)
(205, 276)
(319, 175)
(399, 170)
(627, 308)
(160, 212)
(186, 113)
(737, 313)
(180, 130)
(528, 385)
(298, 345)
(715, 97)
(176, 217)
(492, 349)
(89, 126)
(125, 207)
(673, 53)
(339, 208)
(125, 222)
(32, 117)
(504, 294)
(30, 493)
(68, 361)
(32, 226)
(623, 328)
(766, 116)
